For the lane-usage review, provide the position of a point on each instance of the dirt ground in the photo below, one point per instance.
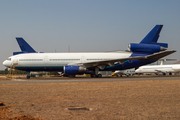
(119, 100)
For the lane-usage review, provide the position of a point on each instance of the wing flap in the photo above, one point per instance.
(159, 55)
(157, 70)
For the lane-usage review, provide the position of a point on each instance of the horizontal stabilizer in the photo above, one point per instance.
(15, 53)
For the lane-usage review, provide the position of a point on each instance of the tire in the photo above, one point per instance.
(72, 76)
(93, 75)
(99, 75)
(28, 76)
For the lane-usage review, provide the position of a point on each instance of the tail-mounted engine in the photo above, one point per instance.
(145, 48)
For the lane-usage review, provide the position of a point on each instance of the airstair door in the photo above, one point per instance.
(15, 61)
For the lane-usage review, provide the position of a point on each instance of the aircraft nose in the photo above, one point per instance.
(6, 64)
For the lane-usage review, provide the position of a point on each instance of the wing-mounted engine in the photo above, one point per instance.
(145, 48)
(74, 69)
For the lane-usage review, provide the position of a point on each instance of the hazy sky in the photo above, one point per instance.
(86, 25)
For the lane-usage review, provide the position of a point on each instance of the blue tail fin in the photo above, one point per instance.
(152, 37)
(25, 47)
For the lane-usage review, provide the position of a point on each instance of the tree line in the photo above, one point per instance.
(6, 71)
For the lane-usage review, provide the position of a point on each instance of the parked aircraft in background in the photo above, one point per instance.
(162, 61)
(138, 54)
(130, 72)
(165, 69)
(120, 73)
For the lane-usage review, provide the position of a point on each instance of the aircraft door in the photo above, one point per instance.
(46, 60)
(15, 61)
(83, 59)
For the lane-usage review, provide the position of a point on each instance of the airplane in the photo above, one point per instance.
(71, 64)
(120, 73)
(174, 68)
(165, 69)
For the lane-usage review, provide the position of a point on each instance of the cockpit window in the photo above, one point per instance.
(9, 59)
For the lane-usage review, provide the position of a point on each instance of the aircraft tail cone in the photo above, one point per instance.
(163, 48)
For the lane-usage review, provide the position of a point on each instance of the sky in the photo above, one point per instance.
(86, 25)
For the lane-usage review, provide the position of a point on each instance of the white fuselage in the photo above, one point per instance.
(61, 59)
(159, 68)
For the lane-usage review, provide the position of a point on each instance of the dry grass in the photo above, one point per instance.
(107, 100)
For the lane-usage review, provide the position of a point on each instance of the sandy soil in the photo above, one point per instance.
(101, 100)
(7, 114)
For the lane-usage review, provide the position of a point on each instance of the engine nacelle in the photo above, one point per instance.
(147, 48)
(74, 69)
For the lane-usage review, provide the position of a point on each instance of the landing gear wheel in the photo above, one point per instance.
(99, 75)
(93, 75)
(28, 76)
(170, 73)
(72, 76)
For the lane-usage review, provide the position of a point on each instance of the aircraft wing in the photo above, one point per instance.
(103, 64)
(159, 55)
(158, 70)
(164, 70)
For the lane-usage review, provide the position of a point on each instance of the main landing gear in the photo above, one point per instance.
(30, 75)
(96, 76)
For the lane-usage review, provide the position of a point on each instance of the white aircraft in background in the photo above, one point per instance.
(138, 54)
(165, 69)
(120, 73)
